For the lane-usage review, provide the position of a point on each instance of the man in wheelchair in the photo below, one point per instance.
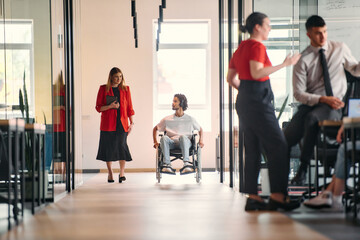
(178, 129)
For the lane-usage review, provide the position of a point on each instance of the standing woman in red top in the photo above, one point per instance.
(257, 116)
(114, 126)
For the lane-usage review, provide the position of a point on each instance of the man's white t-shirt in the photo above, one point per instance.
(177, 126)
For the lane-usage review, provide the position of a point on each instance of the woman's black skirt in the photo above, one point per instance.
(113, 146)
(59, 146)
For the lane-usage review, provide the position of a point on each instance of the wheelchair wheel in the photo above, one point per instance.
(158, 164)
(198, 163)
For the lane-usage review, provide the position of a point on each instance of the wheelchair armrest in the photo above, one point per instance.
(194, 134)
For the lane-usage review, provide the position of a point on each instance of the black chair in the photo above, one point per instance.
(11, 179)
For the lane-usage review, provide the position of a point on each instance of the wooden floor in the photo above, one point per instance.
(140, 208)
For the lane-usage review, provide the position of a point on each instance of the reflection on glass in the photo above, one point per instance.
(59, 130)
(25, 26)
(58, 97)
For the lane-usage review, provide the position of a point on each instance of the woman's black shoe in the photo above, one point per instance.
(254, 205)
(110, 180)
(123, 178)
(287, 205)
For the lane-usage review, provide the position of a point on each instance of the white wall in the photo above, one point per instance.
(107, 41)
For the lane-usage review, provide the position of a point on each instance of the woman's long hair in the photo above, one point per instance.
(112, 72)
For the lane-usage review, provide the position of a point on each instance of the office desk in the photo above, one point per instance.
(13, 165)
(36, 133)
(351, 125)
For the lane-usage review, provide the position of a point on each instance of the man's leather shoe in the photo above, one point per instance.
(299, 179)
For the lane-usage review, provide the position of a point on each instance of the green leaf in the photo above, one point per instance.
(21, 103)
(283, 107)
(26, 103)
(44, 117)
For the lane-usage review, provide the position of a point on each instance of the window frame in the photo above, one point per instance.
(204, 46)
(12, 111)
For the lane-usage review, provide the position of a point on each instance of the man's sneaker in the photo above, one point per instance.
(336, 207)
(166, 168)
(187, 168)
(324, 200)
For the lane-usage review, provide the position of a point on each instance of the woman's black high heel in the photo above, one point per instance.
(254, 205)
(287, 205)
(122, 179)
(110, 180)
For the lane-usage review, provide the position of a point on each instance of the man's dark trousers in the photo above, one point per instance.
(305, 124)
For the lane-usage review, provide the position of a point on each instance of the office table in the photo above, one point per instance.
(351, 125)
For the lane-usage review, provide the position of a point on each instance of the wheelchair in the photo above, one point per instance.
(175, 154)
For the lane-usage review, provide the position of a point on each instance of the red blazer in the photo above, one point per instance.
(59, 110)
(108, 117)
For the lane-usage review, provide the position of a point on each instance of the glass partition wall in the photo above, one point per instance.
(36, 80)
(59, 98)
(26, 82)
(66, 67)
(229, 40)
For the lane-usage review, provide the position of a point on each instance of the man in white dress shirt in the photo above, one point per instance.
(319, 84)
(179, 128)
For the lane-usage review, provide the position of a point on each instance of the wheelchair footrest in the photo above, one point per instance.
(172, 172)
(182, 172)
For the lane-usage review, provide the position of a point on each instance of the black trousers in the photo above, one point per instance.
(305, 125)
(261, 131)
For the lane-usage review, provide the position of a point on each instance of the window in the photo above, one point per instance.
(283, 40)
(16, 50)
(182, 65)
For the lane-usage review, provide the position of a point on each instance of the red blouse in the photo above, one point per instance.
(249, 50)
(108, 117)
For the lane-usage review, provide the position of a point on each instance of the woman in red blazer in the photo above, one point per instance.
(114, 103)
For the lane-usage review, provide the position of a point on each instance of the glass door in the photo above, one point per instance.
(3, 102)
(59, 99)
(229, 40)
(25, 76)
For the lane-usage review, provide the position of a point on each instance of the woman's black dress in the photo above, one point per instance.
(113, 145)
